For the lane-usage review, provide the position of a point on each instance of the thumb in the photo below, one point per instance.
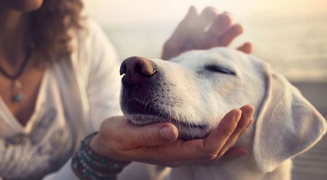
(152, 135)
(246, 48)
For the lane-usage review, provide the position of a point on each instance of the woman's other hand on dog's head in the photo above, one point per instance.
(204, 31)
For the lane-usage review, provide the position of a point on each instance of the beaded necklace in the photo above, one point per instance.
(17, 87)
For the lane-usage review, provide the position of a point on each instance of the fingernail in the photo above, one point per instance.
(191, 11)
(237, 116)
(238, 28)
(249, 123)
(225, 20)
(226, 13)
(250, 113)
(209, 13)
(168, 133)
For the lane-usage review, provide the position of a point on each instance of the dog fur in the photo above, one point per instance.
(196, 89)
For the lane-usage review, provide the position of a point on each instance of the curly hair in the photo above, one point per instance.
(52, 24)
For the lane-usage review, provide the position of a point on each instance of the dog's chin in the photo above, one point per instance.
(186, 131)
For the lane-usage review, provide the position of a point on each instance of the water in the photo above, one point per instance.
(296, 47)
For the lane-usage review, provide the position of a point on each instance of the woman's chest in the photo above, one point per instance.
(20, 95)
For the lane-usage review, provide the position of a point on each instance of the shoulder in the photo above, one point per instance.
(93, 39)
(93, 51)
(94, 32)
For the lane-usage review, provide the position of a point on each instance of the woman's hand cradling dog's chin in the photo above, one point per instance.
(158, 143)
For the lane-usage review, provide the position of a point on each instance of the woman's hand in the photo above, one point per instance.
(120, 140)
(203, 31)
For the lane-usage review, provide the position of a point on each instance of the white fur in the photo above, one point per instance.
(286, 124)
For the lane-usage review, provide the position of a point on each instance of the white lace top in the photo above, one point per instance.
(74, 98)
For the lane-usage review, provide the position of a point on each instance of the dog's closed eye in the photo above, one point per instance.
(219, 69)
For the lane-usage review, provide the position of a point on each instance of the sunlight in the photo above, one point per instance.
(288, 31)
(140, 11)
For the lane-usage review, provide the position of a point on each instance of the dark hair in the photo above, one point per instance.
(52, 24)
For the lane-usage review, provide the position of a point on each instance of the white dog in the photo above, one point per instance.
(195, 90)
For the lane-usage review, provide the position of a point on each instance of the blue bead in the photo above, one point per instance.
(17, 97)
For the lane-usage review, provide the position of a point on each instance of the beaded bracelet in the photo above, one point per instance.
(89, 165)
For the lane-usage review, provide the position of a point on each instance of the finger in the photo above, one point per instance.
(230, 35)
(219, 136)
(220, 25)
(248, 111)
(243, 124)
(199, 35)
(246, 127)
(124, 135)
(190, 32)
(149, 135)
(246, 48)
(191, 29)
(174, 45)
(240, 130)
(182, 31)
(208, 15)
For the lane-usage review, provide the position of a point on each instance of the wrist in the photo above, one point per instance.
(98, 146)
(88, 164)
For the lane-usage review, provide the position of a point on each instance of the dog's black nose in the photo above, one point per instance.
(137, 69)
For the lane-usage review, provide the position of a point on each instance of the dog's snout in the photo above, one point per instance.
(137, 69)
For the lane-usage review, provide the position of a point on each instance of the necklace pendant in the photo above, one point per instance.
(18, 95)
(17, 98)
(18, 85)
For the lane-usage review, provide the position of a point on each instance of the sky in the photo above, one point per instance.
(151, 11)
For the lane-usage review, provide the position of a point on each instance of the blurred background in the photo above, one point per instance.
(290, 34)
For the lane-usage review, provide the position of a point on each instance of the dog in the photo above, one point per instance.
(196, 89)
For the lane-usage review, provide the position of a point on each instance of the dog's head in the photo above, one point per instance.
(196, 89)
(193, 91)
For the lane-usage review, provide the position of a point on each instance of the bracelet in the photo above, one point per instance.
(89, 165)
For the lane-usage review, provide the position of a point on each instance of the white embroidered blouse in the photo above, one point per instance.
(74, 98)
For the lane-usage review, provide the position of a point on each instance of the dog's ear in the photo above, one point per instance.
(287, 124)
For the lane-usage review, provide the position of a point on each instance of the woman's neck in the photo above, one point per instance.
(13, 28)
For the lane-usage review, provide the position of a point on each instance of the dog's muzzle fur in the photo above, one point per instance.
(146, 98)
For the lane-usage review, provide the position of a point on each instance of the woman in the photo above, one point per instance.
(59, 82)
